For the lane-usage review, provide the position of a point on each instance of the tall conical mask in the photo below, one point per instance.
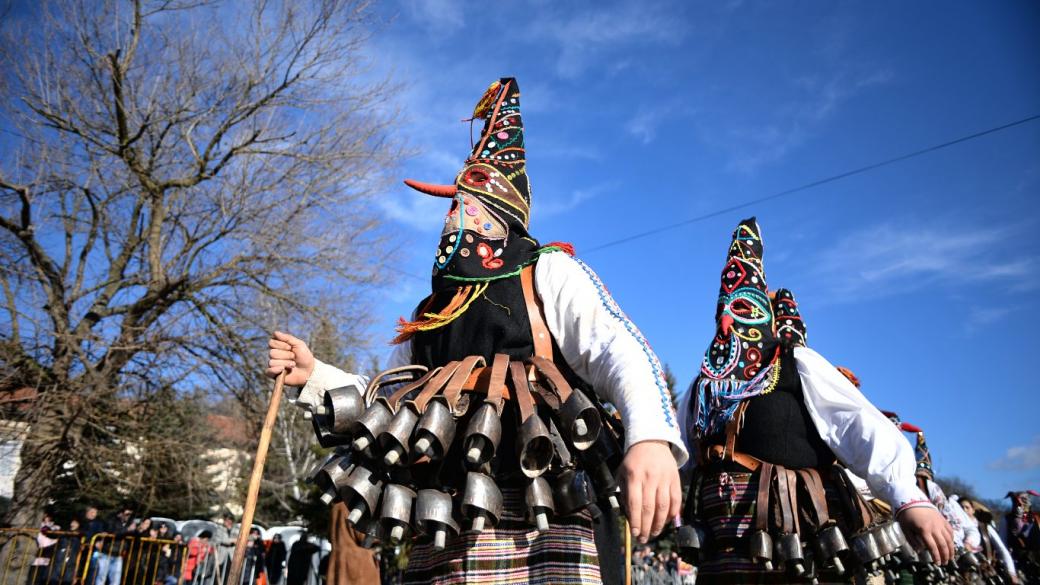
(485, 231)
(790, 328)
(923, 457)
(741, 361)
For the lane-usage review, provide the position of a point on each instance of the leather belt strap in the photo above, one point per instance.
(496, 384)
(522, 391)
(535, 314)
(556, 380)
(434, 386)
(792, 492)
(392, 376)
(765, 479)
(718, 453)
(787, 512)
(733, 428)
(453, 390)
(814, 486)
(854, 499)
(403, 391)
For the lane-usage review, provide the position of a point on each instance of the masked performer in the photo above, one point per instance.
(502, 299)
(768, 418)
(1021, 531)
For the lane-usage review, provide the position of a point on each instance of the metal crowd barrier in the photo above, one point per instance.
(29, 557)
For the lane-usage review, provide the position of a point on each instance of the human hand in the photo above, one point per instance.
(649, 480)
(292, 355)
(927, 529)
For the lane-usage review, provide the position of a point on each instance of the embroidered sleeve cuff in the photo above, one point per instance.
(667, 435)
(903, 497)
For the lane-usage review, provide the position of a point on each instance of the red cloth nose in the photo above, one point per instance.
(909, 428)
(725, 324)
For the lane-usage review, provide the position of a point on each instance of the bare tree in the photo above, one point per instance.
(173, 170)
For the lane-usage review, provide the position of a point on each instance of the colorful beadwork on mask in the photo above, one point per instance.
(741, 361)
(789, 325)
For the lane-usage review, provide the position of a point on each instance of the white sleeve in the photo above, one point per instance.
(606, 350)
(325, 376)
(1004, 554)
(858, 434)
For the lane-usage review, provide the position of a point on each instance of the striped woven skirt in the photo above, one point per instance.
(727, 508)
(512, 552)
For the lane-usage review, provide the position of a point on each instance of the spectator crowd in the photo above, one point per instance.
(118, 549)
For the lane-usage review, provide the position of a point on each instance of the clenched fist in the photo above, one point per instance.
(292, 355)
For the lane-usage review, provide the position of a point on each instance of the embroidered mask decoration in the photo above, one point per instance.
(741, 361)
(923, 457)
(921, 454)
(485, 231)
(790, 328)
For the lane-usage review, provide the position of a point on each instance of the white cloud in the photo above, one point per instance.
(437, 16)
(543, 206)
(583, 37)
(644, 124)
(816, 99)
(894, 258)
(1020, 457)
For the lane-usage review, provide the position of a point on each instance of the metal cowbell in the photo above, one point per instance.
(361, 491)
(343, 406)
(481, 501)
(535, 446)
(865, 547)
(396, 512)
(571, 492)
(321, 423)
(435, 430)
(433, 516)
(830, 544)
(372, 529)
(762, 549)
(886, 544)
(789, 551)
(367, 428)
(580, 419)
(690, 540)
(482, 435)
(330, 477)
(539, 499)
(393, 441)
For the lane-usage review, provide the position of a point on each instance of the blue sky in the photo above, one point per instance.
(922, 276)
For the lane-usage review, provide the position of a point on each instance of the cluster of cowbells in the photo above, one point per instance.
(876, 547)
(379, 437)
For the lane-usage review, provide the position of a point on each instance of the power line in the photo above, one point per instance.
(810, 185)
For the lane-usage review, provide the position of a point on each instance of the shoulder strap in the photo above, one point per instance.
(536, 315)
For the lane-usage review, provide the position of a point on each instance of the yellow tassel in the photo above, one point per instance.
(463, 298)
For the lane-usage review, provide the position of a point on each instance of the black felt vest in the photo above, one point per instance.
(777, 427)
(496, 322)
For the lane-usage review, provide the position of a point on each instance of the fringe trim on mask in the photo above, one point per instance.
(717, 400)
(464, 297)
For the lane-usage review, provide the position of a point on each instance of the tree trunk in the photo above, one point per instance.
(40, 464)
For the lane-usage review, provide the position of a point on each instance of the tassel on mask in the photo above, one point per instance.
(464, 297)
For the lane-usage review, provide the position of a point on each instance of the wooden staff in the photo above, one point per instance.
(628, 553)
(254, 482)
